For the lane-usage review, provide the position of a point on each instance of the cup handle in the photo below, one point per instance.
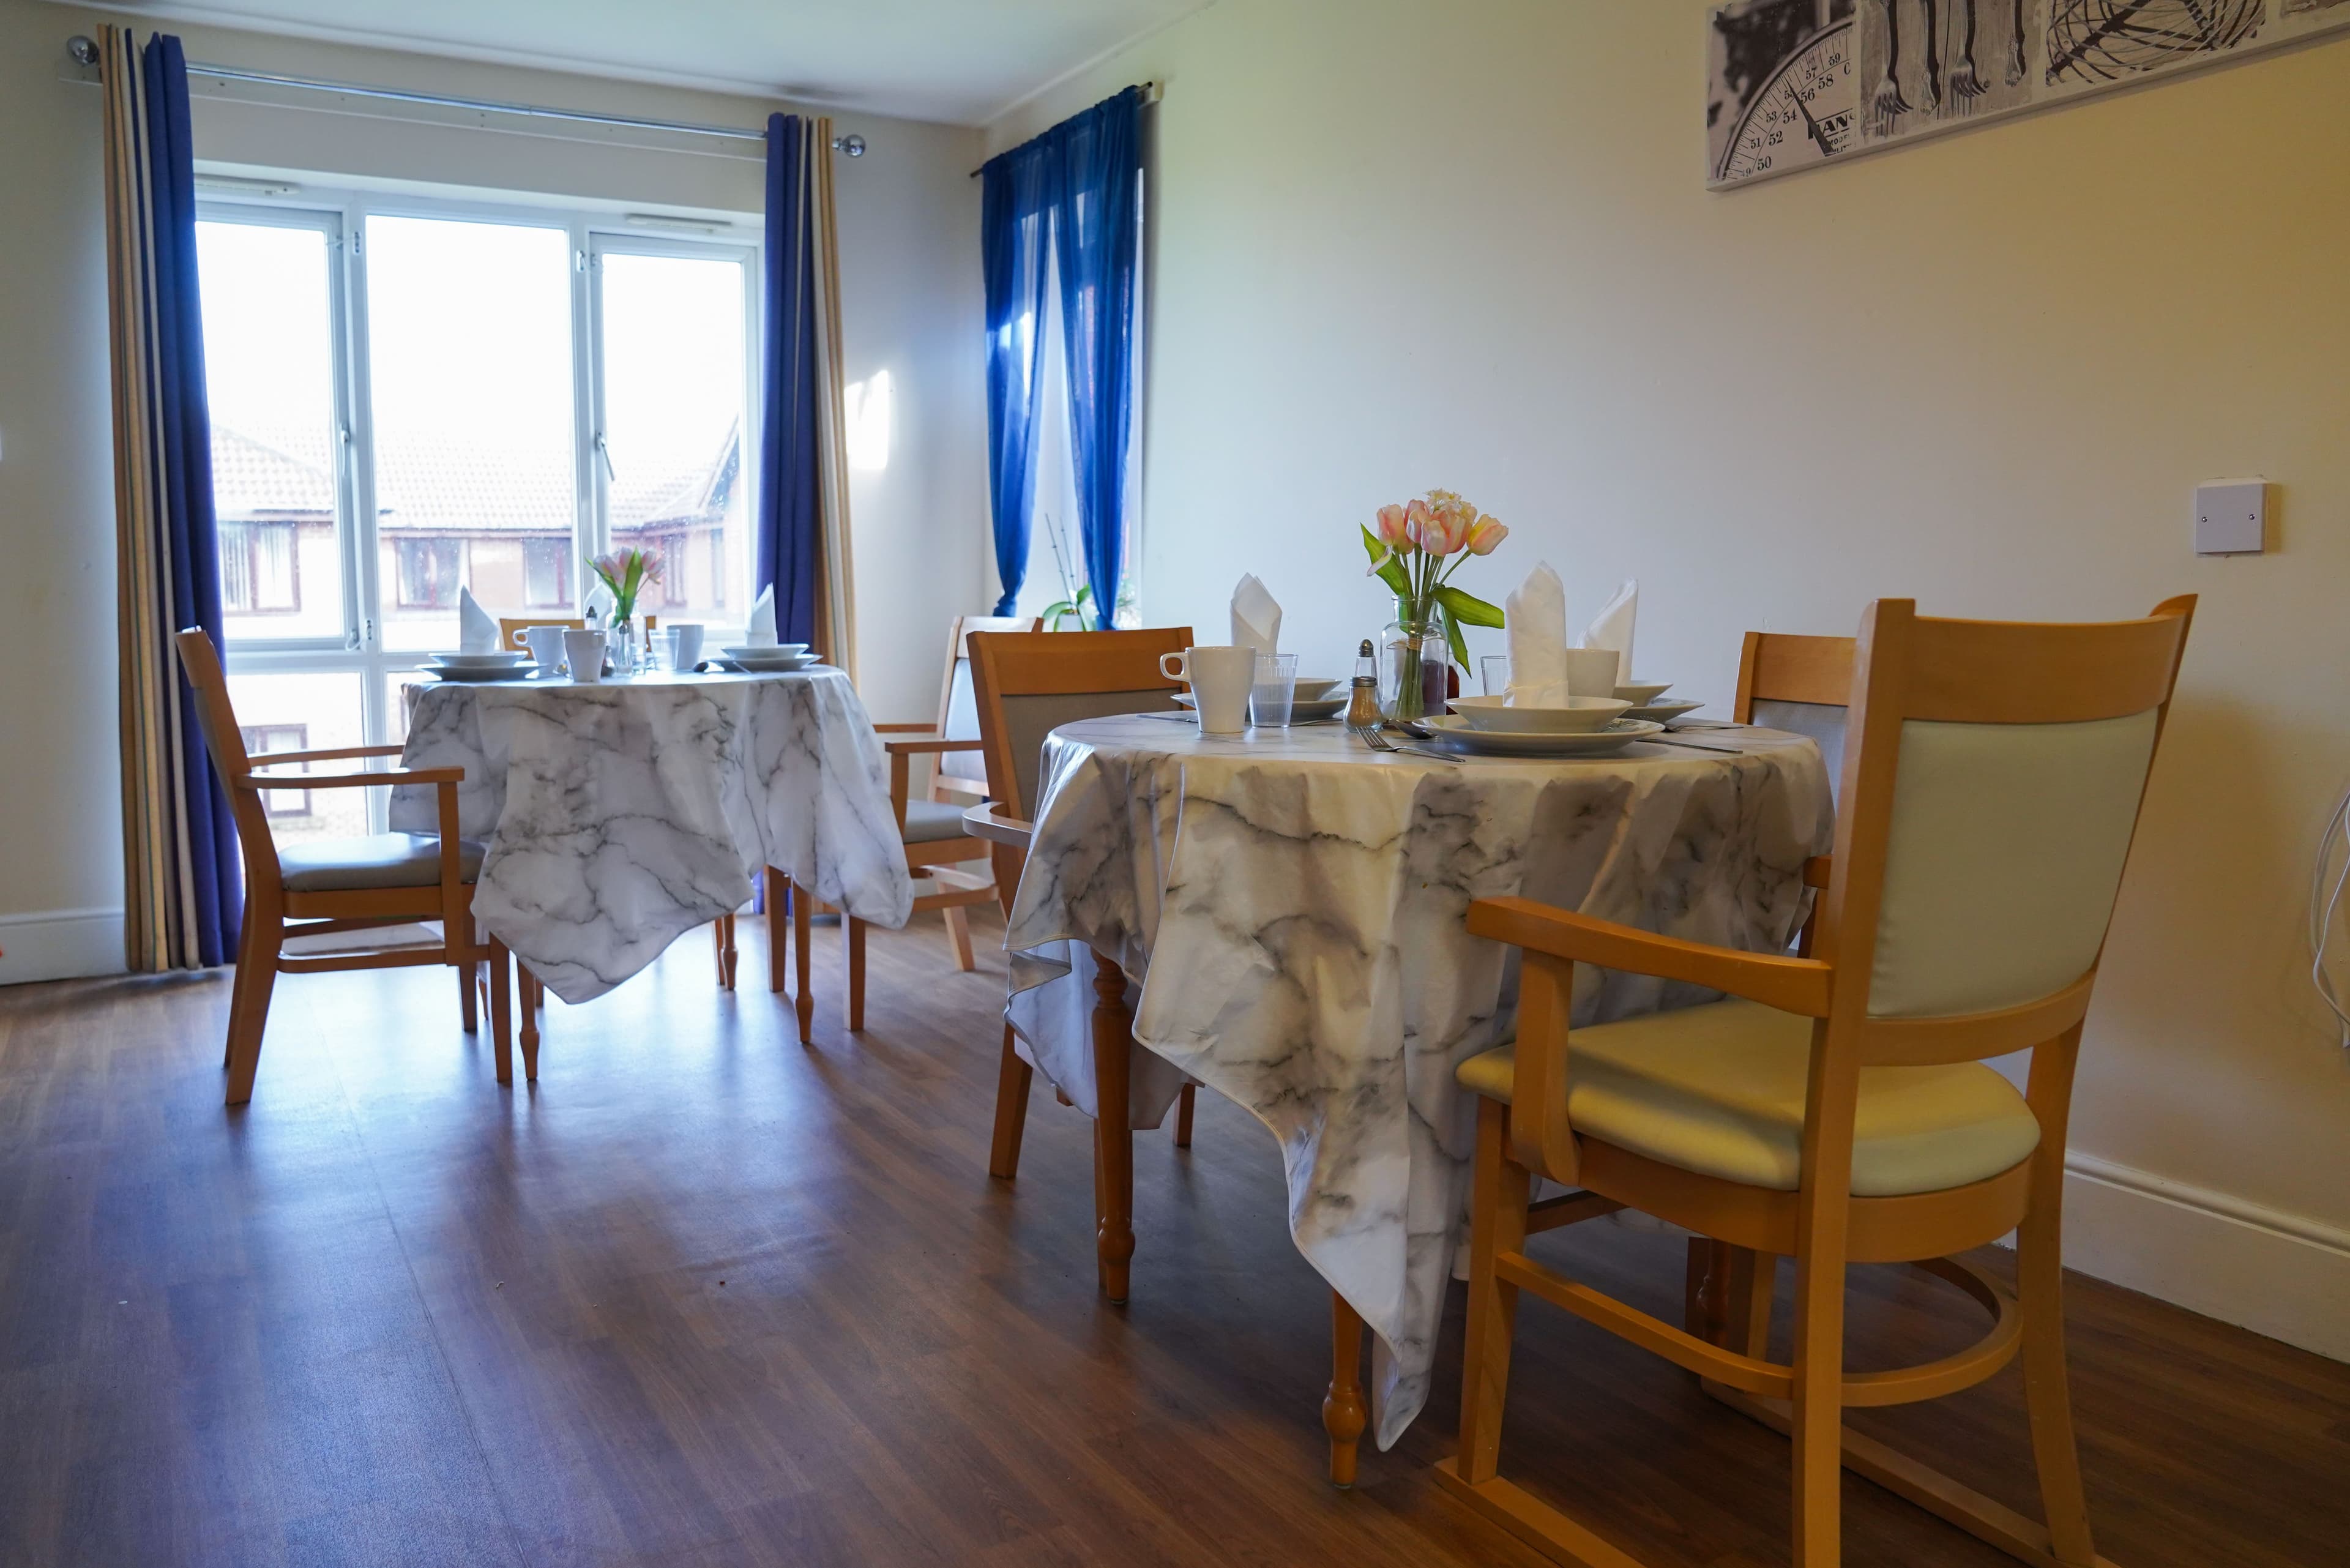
(1175, 666)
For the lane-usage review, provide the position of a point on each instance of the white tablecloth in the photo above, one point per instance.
(619, 816)
(1292, 908)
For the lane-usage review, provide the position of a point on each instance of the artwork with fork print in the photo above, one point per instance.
(1792, 84)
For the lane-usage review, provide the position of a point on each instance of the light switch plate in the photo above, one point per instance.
(2232, 517)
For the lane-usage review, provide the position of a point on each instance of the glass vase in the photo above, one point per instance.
(620, 645)
(1415, 667)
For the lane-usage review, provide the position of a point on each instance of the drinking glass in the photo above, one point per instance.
(1270, 698)
(1495, 668)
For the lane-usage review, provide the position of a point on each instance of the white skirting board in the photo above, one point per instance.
(60, 944)
(2283, 1275)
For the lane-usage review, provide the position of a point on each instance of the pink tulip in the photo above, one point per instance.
(1486, 534)
(1446, 529)
(1417, 520)
(1395, 529)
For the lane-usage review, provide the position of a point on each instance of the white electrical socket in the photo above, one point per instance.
(2232, 517)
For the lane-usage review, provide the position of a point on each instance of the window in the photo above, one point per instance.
(264, 738)
(411, 395)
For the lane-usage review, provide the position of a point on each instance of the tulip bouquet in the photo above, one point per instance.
(626, 573)
(1418, 547)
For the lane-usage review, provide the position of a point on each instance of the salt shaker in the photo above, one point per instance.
(1363, 702)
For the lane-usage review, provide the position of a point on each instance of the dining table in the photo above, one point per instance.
(615, 816)
(1282, 916)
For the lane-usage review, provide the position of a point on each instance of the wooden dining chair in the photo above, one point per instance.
(1801, 684)
(320, 886)
(938, 843)
(1836, 1110)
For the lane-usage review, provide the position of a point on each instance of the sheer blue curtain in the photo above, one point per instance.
(1096, 235)
(1019, 191)
(790, 522)
(183, 899)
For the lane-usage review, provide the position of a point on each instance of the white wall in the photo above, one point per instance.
(1404, 242)
(911, 287)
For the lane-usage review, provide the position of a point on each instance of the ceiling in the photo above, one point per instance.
(962, 61)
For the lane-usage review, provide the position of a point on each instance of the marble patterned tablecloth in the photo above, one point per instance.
(619, 816)
(1292, 909)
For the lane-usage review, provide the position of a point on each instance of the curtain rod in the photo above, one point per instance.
(85, 52)
(1152, 92)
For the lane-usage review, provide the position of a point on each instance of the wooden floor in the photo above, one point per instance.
(707, 1298)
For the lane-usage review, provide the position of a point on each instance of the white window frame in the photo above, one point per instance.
(591, 231)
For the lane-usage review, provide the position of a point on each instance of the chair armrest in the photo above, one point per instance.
(260, 780)
(985, 822)
(340, 753)
(1791, 984)
(926, 744)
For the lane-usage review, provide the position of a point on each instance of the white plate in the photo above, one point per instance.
(777, 649)
(1663, 712)
(778, 667)
(1457, 733)
(1301, 711)
(477, 660)
(489, 672)
(1642, 693)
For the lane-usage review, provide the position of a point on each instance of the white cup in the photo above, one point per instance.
(1591, 671)
(545, 646)
(684, 646)
(1220, 680)
(584, 651)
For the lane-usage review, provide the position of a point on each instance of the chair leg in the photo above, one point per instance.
(1754, 1279)
(531, 994)
(1497, 1221)
(1343, 1413)
(248, 931)
(852, 937)
(1183, 1116)
(804, 999)
(1012, 1080)
(1817, 1417)
(2040, 1294)
(502, 1009)
(959, 933)
(466, 1007)
(1113, 1129)
(248, 1014)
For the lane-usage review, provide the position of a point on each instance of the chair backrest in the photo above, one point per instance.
(216, 717)
(1801, 684)
(511, 628)
(1991, 793)
(964, 774)
(1029, 684)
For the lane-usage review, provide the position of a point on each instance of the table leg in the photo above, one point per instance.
(723, 929)
(532, 991)
(803, 1000)
(778, 926)
(1183, 1116)
(1343, 1414)
(1113, 1129)
(502, 1010)
(852, 935)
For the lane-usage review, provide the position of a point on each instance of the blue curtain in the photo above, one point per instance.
(1097, 232)
(1019, 190)
(185, 884)
(790, 520)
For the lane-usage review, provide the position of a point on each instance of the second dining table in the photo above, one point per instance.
(1288, 910)
(617, 815)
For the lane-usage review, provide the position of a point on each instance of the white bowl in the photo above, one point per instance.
(479, 660)
(1313, 689)
(1579, 716)
(1640, 693)
(773, 649)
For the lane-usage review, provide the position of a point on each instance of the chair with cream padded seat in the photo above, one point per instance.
(320, 886)
(1837, 1108)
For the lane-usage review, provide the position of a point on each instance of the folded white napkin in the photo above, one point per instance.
(1256, 616)
(477, 629)
(599, 604)
(1536, 616)
(1612, 627)
(760, 632)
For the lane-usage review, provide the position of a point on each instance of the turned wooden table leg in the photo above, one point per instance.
(1113, 1129)
(1343, 1414)
(803, 998)
(1183, 1116)
(724, 929)
(531, 993)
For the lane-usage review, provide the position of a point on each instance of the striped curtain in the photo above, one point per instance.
(803, 505)
(182, 899)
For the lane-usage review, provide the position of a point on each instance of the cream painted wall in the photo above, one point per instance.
(907, 221)
(1404, 242)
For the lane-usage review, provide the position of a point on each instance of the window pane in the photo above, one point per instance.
(269, 366)
(469, 331)
(304, 713)
(674, 367)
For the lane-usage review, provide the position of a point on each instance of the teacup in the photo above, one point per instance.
(1591, 671)
(1220, 680)
(545, 644)
(584, 651)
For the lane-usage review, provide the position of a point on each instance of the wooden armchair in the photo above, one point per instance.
(1836, 1110)
(340, 884)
